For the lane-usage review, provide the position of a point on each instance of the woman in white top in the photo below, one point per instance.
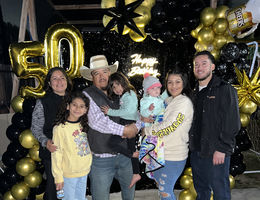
(173, 131)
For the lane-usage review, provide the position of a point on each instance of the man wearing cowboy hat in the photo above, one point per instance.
(106, 164)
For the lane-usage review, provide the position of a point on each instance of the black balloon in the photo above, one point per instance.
(40, 167)
(13, 132)
(243, 142)
(4, 185)
(229, 52)
(28, 105)
(21, 120)
(158, 11)
(17, 150)
(8, 159)
(243, 49)
(79, 84)
(236, 158)
(12, 176)
(237, 169)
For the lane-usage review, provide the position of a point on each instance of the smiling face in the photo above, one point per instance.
(100, 78)
(58, 83)
(203, 68)
(76, 108)
(174, 85)
(117, 88)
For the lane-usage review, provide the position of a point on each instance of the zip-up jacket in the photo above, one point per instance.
(216, 119)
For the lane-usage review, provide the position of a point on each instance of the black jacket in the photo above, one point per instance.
(216, 119)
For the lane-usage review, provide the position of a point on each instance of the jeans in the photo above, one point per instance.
(75, 188)
(103, 170)
(207, 177)
(167, 176)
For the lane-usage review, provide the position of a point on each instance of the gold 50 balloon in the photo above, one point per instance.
(20, 53)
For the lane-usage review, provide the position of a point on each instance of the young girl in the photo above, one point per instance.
(72, 160)
(128, 112)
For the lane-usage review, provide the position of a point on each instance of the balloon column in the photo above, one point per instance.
(189, 192)
(127, 17)
(22, 177)
(20, 173)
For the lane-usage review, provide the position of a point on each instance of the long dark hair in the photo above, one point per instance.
(63, 113)
(120, 78)
(184, 76)
(47, 88)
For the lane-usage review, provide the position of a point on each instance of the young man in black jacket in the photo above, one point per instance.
(212, 135)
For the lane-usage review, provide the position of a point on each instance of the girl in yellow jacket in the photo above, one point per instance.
(72, 160)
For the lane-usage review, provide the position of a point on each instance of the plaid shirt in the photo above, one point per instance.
(101, 123)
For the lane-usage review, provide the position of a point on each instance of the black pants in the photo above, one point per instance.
(50, 190)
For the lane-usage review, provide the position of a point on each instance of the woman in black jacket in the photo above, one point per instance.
(57, 85)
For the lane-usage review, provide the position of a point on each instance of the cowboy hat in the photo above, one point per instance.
(97, 62)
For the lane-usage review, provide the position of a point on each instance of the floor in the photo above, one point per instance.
(237, 194)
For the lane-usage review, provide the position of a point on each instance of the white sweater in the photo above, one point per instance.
(175, 127)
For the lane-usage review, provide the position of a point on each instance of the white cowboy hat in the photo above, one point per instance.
(97, 62)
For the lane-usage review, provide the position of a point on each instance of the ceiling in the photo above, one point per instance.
(81, 13)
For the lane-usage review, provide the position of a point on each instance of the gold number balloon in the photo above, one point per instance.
(20, 191)
(55, 34)
(19, 54)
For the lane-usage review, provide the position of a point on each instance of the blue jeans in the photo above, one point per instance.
(207, 177)
(103, 170)
(167, 176)
(75, 188)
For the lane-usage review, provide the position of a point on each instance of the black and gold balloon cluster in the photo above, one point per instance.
(22, 177)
